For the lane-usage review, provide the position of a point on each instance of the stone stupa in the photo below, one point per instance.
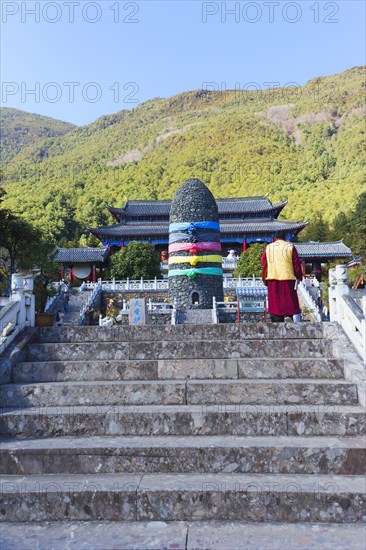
(195, 261)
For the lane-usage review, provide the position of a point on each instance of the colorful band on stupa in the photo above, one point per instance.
(194, 248)
(191, 273)
(194, 260)
(198, 229)
(192, 227)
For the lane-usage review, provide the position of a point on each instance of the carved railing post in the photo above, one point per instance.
(338, 286)
(332, 295)
(30, 301)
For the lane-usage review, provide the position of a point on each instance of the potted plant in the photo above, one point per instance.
(42, 291)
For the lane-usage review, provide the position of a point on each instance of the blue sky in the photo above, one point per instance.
(84, 59)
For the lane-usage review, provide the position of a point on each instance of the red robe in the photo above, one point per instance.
(282, 296)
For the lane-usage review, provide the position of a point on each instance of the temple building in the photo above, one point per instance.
(242, 221)
(82, 263)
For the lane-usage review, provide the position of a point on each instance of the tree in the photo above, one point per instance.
(18, 241)
(318, 230)
(341, 227)
(22, 246)
(249, 263)
(135, 261)
(358, 227)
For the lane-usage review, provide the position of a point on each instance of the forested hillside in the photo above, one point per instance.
(304, 144)
(20, 129)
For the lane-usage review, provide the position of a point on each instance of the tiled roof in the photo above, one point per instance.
(225, 206)
(314, 249)
(162, 228)
(80, 255)
(248, 205)
(261, 226)
(130, 230)
(142, 208)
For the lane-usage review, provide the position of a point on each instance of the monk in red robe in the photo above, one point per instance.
(281, 269)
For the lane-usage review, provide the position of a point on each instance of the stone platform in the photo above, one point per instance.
(209, 436)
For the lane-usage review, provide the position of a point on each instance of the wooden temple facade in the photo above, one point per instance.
(243, 221)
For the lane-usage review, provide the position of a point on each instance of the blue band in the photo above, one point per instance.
(193, 226)
(201, 236)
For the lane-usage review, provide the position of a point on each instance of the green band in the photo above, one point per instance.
(191, 273)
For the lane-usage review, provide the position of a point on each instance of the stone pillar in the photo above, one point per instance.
(30, 301)
(17, 295)
(341, 286)
(338, 278)
(195, 261)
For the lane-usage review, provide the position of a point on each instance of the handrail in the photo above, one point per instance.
(19, 312)
(91, 302)
(10, 324)
(175, 313)
(309, 302)
(163, 284)
(344, 309)
(60, 286)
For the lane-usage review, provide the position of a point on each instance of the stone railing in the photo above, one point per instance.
(309, 302)
(54, 301)
(92, 301)
(175, 313)
(348, 308)
(229, 264)
(224, 307)
(19, 311)
(162, 284)
(131, 285)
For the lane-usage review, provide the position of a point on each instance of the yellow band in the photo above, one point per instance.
(193, 260)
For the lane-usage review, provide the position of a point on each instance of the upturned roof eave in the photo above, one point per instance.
(123, 211)
(163, 228)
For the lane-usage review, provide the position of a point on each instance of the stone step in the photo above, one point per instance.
(120, 333)
(182, 497)
(274, 391)
(175, 349)
(177, 454)
(196, 535)
(184, 420)
(179, 392)
(179, 369)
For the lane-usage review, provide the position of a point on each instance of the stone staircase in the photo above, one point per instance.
(181, 437)
(77, 301)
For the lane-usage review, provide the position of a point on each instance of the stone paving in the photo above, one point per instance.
(194, 437)
(76, 303)
(198, 535)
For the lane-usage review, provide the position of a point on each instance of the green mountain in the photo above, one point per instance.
(304, 144)
(20, 129)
